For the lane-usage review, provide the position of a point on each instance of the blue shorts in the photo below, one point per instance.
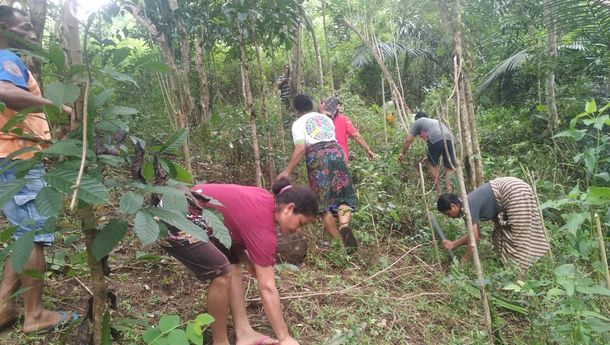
(20, 210)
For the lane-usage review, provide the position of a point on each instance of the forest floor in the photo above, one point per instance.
(393, 290)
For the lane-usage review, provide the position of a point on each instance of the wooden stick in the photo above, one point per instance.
(424, 195)
(602, 248)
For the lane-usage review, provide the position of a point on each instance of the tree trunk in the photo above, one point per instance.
(181, 107)
(298, 61)
(70, 40)
(551, 40)
(280, 108)
(247, 92)
(38, 16)
(204, 92)
(316, 48)
(98, 280)
(402, 109)
(330, 64)
(263, 93)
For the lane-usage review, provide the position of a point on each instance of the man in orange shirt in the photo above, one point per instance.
(19, 90)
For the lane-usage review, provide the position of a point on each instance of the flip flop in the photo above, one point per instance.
(62, 323)
(263, 339)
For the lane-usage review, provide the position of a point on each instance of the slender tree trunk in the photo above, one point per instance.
(328, 58)
(316, 48)
(400, 105)
(70, 40)
(298, 60)
(38, 16)
(247, 92)
(181, 106)
(280, 108)
(551, 40)
(204, 92)
(263, 92)
(98, 280)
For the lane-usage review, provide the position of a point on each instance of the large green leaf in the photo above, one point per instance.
(175, 141)
(9, 189)
(574, 221)
(168, 322)
(22, 251)
(131, 203)
(122, 77)
(150, 335)
(175, 202)
(90, 190)
(60, 93)
(593, 290)
(598, 195)
(145, 227)
(68, 148)
(121, 110)
(110, 235)
(179, 221)
(193, 332)
(177, 337)
(219, 229)
(48, 202)
(112, 125)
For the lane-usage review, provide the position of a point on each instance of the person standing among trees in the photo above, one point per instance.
(313, 135)
(518, 234)
(250, 214)
(344, 128)
(283, 85)
(19, 90)
(437, 135)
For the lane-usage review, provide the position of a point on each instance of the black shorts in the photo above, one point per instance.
(207, 260)
(435, 150)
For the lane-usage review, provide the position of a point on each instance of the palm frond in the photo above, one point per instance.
(590, 18)
(509, 65)
(361, 56)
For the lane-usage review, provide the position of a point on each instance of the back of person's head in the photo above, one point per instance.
(7, 14)
(419, 115)
(303, 103)
(445, 200)
(331, 105)
(304, 199)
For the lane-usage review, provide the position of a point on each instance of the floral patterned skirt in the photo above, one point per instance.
(329, 177)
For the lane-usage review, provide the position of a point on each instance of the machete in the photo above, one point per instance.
(441, 234)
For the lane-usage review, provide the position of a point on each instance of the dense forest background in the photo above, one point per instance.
(193, 82)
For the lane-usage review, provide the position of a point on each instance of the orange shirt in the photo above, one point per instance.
(35, 124)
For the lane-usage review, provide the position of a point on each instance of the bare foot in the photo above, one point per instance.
(46, 320)
(8, 314)
(255, 338)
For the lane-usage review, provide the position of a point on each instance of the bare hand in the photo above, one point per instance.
(68, 111)
(401, 157)
(283, 173)
(448, 244)
(370, 154)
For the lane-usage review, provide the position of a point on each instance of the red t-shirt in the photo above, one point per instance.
(249, 215)
(344, 129)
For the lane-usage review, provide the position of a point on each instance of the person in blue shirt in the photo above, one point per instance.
(19, 90)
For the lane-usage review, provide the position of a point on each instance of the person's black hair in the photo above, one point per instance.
(420, 114)
(302, 103)
(7, 13)
(445, 200)
(304, 199)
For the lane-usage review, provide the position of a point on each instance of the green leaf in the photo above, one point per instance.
(102, 98)
(593, 290)
(22, 251)
(106, 338)
(6, 234)
(182, 174)
(112, 126)
(177, 337)
(148, 171)
(121, 110)
(598, 195)
(60, 93)
(590, 313)
(168, 322)
(591, 107)
(56, 57)
(176, 202)
(90, 190)
(219, 229)
(179, 221)
(122, 77)
(110, 235)
(175, 141)
(590, 161)
(574, 221)
(9, 189)
(145, 227)
(131, 203)
(155, 66)
(111, 160)
(48, 202)
(194, 334)
(68, 148)
(150, 335)
(604, 176)
(204, 319)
